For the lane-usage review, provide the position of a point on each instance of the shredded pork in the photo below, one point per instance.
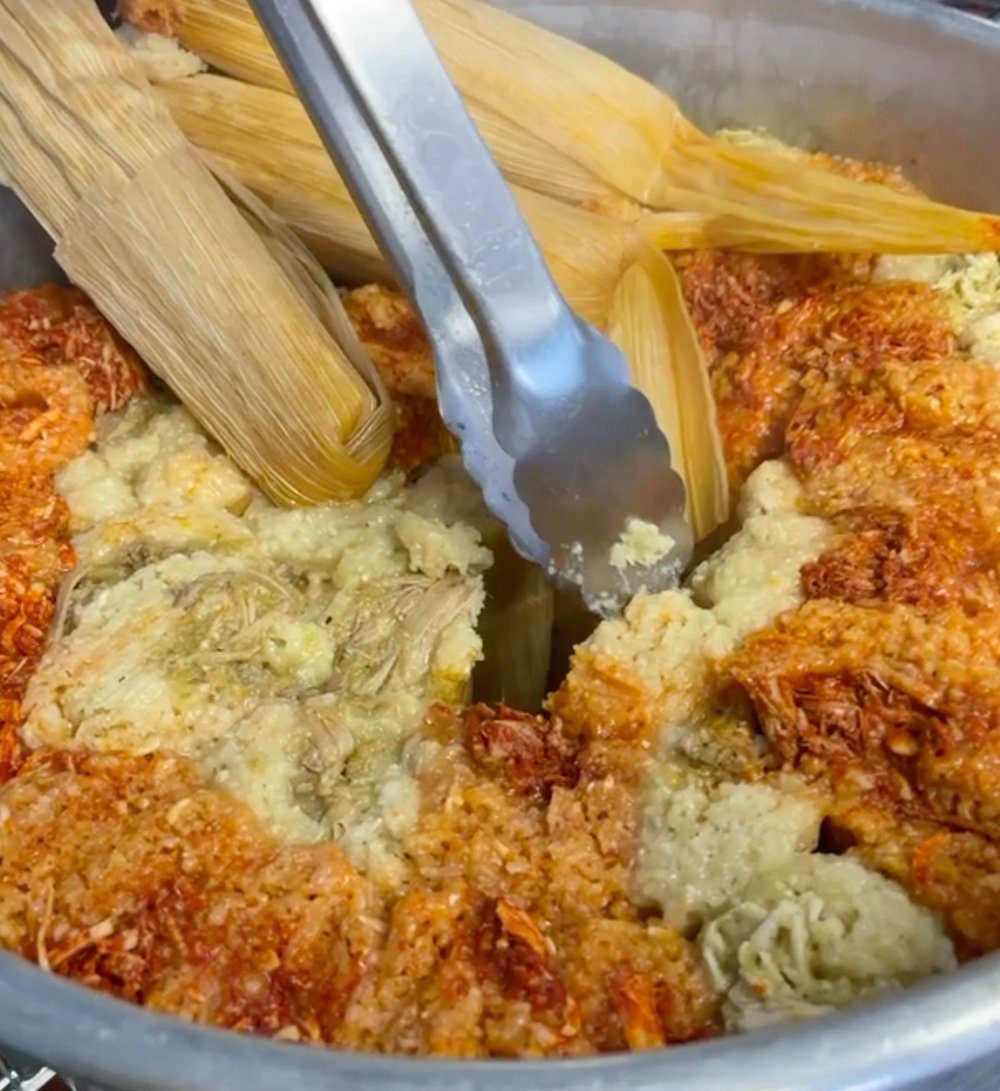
(762, 796)
(513, 934)
(880, 687)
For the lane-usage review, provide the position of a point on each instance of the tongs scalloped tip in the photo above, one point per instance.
(565, 449)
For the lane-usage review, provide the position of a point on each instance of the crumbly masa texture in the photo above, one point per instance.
(511, 932)
(167, 892)
(288, 652)
(488, 914)
(718, 821)
(496, 922)
(641, 543)
(814, 934)
(60, 364)
(520, 928)
(705, 838)
(740, 588)
(763, 796)
(876, 384)
(162, 58)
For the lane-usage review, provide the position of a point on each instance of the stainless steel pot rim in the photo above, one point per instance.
(942, 1023)
(914, 1034)
(948, 14)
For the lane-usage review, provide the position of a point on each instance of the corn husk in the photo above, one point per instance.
(265, 138)
(267, 141)
(580, 103)
(596, 129)
(141, 225)
(226, 35)
(650, 324)
(516, 629)
(635, 137)
(312, 283)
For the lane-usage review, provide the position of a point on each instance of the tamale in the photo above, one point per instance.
(226, 34)
(635, 138)
(247, 341)
(265, 138)
(650, 324)
(626, 135)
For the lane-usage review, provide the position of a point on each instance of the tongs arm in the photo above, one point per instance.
(566, 450)
(463, 379)
(372, 64)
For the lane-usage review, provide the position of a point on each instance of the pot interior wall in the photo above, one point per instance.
(25, 249)
(862, 77)
(870, 79)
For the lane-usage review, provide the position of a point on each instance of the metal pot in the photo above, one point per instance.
(899, 80)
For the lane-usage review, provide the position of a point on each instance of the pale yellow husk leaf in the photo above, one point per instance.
(266, 139)
(606, 272)
(143, 227)
(600, 261)
(226, 34)
(588, 114)
(635, 137)
(650, 324)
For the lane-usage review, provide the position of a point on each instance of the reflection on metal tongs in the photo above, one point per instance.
(566, 450)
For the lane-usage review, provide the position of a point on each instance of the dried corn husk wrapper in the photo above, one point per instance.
(516, 629)
(597, 130)
(265, 138)
(603, 264)
(226, 34)
(635, 138)
(219, 300)
(650, 323)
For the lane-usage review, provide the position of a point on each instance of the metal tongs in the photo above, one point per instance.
(566, 451)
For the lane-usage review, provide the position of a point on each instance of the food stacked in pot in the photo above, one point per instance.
(296, 770)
